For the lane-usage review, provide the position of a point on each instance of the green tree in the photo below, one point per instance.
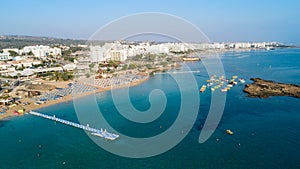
(13, 53)
(149, 66)
(132, 66)
(30, 53)
(56, 76)
(18, 74)
(66, 76)
(137, 57)
(101, 65)
(169, 59)
(114, 64)
(91, 65)
(125, 67)
(164, 63)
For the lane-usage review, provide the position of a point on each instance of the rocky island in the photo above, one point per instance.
(266, 88)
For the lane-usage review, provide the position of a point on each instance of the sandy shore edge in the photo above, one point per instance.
(10, 112)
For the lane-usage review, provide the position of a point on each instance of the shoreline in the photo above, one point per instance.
(222, 51)
(261, 88)
(10, 112)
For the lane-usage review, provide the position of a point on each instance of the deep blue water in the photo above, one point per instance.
(266, 130)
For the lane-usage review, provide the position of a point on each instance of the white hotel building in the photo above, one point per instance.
(42, 51)
(4, 56)
(109, 51)
(120, 52)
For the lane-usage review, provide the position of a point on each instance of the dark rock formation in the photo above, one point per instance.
(265, 88)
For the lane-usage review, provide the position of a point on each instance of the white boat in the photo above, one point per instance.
(203, 88)
(229, 132)
(229, 85)
(224, 90)
(242, 80)
(270, 48)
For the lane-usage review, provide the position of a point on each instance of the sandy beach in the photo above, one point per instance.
(32, 106)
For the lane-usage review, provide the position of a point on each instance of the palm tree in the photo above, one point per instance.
(56, 76)
(18, 75)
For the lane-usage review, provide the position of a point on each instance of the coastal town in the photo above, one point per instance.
(149, 84)
(41, 75)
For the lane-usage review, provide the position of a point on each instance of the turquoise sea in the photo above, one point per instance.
(266, 130)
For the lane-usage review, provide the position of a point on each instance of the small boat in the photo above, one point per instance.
(203, 88)
(12, 105)
(229, 85)
(16, 113)
(242, 80)
(270, 48)
(229, 132)
(224, 90)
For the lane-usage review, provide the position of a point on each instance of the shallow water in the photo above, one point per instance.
(266, 130)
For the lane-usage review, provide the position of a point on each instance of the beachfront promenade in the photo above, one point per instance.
(86, 85)
(177, 72)
(101, 133)
(73, 88)
(112, 81)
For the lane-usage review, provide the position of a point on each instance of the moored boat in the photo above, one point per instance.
(229, 132)
(203, 88)
(242, 80)
(224, 90)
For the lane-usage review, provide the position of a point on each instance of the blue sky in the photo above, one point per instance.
(232, 20)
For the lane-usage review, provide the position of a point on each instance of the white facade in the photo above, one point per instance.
(109, 51)
(97, 54)
(5, 56)
(42, 51)
(12, 49)
(69, 67)
(25, 63)
(120, 52)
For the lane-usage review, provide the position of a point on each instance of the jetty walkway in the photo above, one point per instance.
(101, 133)
(177, 72)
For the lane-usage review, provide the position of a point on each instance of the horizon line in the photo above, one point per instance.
(110, 40)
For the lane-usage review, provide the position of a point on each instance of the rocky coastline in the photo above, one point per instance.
(266, 88)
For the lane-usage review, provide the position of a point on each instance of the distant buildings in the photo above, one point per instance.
(42, 51)
(13, 49)
(8, 68)
(18, 64)
(234, 45)
(109, 51)
(117, 51)
(30, 72)
(69, 67)
(4, 56)
(38, 51)
(121, 51)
